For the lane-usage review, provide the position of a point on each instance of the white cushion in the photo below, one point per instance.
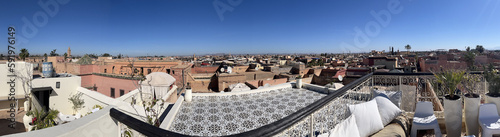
(323, 135)
(368, 118)
(388, 111)
(394, 96)
(346, 128)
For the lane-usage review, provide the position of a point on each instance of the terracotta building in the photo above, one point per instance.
(434, 63)
(389, 62)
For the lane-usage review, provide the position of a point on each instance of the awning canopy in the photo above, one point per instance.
(44, 89)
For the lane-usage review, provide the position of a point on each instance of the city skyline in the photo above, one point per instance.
(249, 27)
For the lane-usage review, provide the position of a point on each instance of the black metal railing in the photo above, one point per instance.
(141, 126)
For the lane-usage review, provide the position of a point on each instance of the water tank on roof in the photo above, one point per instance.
(47, 69)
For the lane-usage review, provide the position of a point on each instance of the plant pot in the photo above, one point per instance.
(453, 116)
(26, 121)
(188, 97)
(471, 107)
(493, 99)
(298, 84)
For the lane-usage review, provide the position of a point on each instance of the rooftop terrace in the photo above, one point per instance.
(231, 114)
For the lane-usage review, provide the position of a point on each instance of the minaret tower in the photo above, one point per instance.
(69, 52)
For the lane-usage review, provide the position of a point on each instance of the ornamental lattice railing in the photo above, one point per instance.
(414, 86)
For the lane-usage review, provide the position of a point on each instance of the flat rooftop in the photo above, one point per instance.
(58, 75)
(231, 114)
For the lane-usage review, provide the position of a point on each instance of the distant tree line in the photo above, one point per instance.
(470, 56)
(24, 53)
(316, 62)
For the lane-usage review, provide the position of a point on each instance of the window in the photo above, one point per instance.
(173, 71)
(112, 94)
(104, 70)
(122, 92)
(168, 71)
(58, 84)
(149, 71)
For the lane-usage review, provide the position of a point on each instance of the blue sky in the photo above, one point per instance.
(185, 27)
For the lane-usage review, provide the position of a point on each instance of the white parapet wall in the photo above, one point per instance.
(129, 96)
(22, 73)
(279, 86)
(317, 88)
(92, 98)
(99, 124)
(135, 95)
(171, 114)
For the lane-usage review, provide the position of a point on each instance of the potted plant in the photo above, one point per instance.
(493, 78)
(39, 119)
(188, 97)
(44, 119)
(27, 120)
(448, 81)
(298, 84)
(471, 104)
(77, 102)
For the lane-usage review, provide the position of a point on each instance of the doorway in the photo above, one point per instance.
(42, 97)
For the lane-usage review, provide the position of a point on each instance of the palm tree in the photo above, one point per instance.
(408, 47)
(469, 58)
(106, 55)
(45, 57)
(24, 53)
(53, 53)
(480, 48)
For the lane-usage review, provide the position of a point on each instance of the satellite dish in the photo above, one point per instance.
(221, 69)
(340, 77)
